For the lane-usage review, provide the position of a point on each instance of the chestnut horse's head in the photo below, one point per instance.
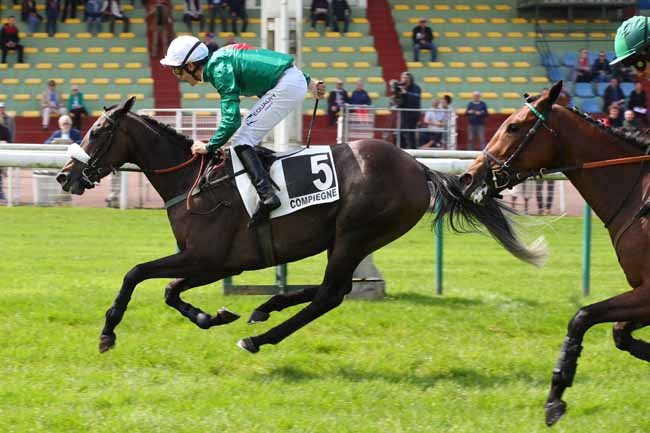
(103, 149)
(522, 145)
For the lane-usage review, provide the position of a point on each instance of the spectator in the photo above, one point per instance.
(624, 74)
(582, 71)
(51, 100)
(476, 113)
(72, 5)
(600, 70)
(9, 39)
(93, 15)
(613, 95)
(76, 107)
(335, 101)
(230, 39)
(211, 42)
(637, 103)
(113, 11)
(409, 93)
(434, 120)
(614, 117)
(423, 39)
(159, 13)
(629, 121)
(320, 11)
(192, 13)
(9, 122)
(360, 96)
(341, 12)
(217, 7)
(238, 10)
(65, 133)
(52, 14)
(31, 16)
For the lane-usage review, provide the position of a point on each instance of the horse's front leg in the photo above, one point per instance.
(196, 315)
(281, 301)
(179, 265)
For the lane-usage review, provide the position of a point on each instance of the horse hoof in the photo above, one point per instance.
(226, 316)
(258, 316)
(554, 411)
(106, 342)
(203, 321)
(248, 345)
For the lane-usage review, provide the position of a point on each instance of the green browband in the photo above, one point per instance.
(539, 115)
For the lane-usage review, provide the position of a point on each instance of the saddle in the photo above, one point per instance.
(211, 175)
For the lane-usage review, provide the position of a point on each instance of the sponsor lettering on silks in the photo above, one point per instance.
(264, 105)
(316, 184)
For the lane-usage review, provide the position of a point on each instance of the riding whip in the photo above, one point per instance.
(313, 115)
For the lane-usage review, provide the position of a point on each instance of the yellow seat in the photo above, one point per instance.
(503, 7)
(52, 50)
(117, 50)
(494, 35)
(500, 65)
(24, 66)
(353, 35)
(499, 80)
(332, 34)
(111, 65)
(521, 21)
(67, 66)
(40, 35)
(478, 65)
(330, 80)
(457, 65)
(73, 50)
(361, 65)
(22, 97)
(515, 35)
(95, 50)
(452, 35)
(373, 95)
(457, 20)
(346, 49)
(382, 112)
(139, 20)
(145, 81)
(30, 50)
(4, 66)
(123, 81)
(465, 50)
(139, 50)
(518, 80)
(528, 50)
(561, 35)
(489, 95)
(442, 7)
(474, 80)
(422, 7)
(84, 35)
(133, 65)
(414, 65)
(453, 80)
(88, 66)
(318, 65)
(62, 35)
(324, 50)
(10, 81)
(401, 7)
(436, 65)
(306, 49)
(340, 65)
(426, 95)
(31, 113)
(101, 81)
(473, 35)
(485, 49)
(432, 79)
(131, 35)
(578, 35)
(511, 95)
(507, 110)
(462, 7)
(465, 95)
(33, 81)
(137, 96)
(112, 97)
(352, 80)
(598, 35)
(482, 7)
(91, 96)
(312, 35)
(434, 20)
(477, 20)
(212, 95)
(360, 20)
(540, 80)
(521, 64)
(105, 35)
(44, 66)
(507, 49)
(78, 81)
(375, 80)
(498, 20)
(445, 50)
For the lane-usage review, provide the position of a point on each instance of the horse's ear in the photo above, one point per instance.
(126, 106)
(554, 92)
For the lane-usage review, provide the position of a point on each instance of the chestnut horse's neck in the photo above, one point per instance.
(610, 191)
(156, 146)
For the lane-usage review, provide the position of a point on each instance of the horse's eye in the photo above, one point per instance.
(512, 128)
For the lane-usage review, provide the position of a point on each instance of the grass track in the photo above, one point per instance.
(477, 359)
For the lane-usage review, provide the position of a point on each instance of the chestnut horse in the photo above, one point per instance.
(383, 193)
(543, 137)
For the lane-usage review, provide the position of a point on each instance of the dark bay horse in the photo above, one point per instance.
(383, 193)
(546, 137)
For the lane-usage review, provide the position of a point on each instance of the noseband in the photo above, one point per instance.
(501, 172)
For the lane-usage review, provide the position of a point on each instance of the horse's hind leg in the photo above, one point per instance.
(623, 339)
(632, 306)
(281, 301)
(196, 315)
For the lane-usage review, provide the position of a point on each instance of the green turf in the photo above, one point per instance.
(477, 359)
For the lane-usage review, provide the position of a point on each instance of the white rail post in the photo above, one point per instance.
(124, 190)
(10, 189)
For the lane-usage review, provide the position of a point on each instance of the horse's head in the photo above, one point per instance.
(102, 150)
(523, 144)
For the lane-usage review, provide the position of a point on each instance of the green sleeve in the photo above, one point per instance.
(224, 82)
(307, 77)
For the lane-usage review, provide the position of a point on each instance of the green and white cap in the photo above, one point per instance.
(631, 37)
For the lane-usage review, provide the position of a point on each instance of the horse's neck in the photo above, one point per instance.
(604, 189)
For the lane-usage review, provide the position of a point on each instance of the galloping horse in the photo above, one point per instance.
(544, 138)
(383, 193)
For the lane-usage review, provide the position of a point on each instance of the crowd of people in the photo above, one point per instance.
(335, 14)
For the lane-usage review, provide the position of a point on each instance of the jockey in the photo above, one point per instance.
(632, 43)
(243, 70)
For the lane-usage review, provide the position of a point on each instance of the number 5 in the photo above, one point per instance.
(317, 166)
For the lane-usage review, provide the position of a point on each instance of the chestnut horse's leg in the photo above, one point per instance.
(633, 306)
(181, 265)
(623, 339)
(196, 315)
(281, 301)
(336, 284)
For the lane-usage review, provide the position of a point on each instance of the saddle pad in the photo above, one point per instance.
(305, 177)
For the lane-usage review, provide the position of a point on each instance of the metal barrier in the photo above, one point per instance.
(359, 121)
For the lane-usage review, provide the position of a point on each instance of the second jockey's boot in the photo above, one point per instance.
(262, 183)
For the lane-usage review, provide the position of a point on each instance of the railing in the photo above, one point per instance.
(359, 121)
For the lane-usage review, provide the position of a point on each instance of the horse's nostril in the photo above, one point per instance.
(466, 179)
(61, 178)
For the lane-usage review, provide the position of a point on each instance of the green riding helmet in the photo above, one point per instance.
(631, 37)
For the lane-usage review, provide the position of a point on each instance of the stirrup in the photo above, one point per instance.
(261, 216)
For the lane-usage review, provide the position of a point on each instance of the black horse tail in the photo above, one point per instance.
(465, 216)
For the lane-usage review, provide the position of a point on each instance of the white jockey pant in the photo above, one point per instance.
(270, 109)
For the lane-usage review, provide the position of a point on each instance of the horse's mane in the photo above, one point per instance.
(166, 130)
(637, 137)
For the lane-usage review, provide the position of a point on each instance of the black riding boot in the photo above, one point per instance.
(261, 182)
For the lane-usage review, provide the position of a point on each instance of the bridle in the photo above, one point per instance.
(502, 175)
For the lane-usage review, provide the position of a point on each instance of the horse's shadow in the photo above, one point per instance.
(463, 376)
(428, 300)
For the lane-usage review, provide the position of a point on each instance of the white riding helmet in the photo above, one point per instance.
(185, 49)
